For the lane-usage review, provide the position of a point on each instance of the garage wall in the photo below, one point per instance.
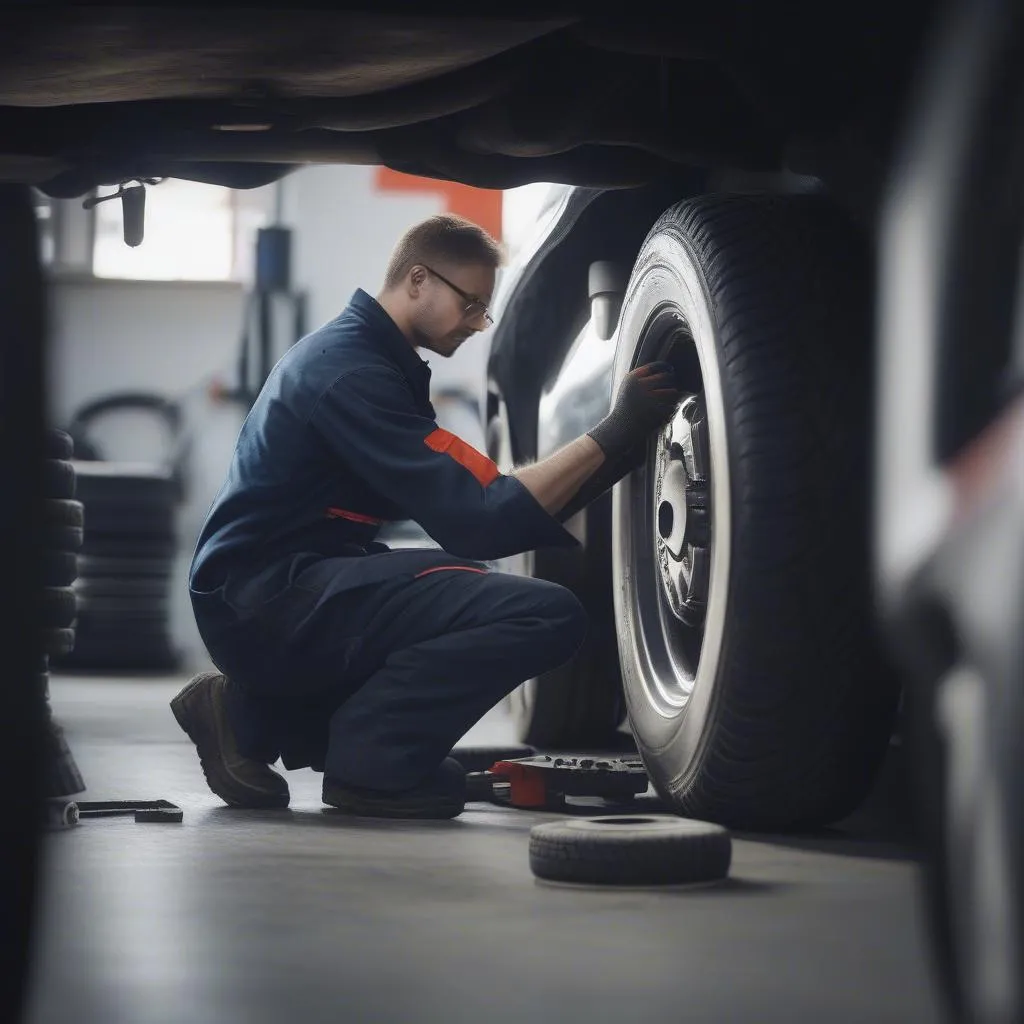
(346, 225)
(176, 338)
(160, 336)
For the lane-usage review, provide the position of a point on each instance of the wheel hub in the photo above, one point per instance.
(682, 511)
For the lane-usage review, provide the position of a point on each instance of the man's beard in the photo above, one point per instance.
(421, 339)
(445, 347)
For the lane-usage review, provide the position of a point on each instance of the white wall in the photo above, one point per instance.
(170, 338)
(107, 335)
(344, 233)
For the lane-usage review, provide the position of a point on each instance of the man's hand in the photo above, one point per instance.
(646, 400)
(588, 466)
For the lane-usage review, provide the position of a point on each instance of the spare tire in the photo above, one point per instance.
(125, 483)
(58, 607)
(63, 512)
(126, 568)
(757, 690)
(129, 647)
(58, 444)
(55, 643)
(62, 538)
(128, 589)
(171, 466)
(131, 519)
(62, 525)
(60, 568)
(122, 547)
(630, 850)
(58, 478)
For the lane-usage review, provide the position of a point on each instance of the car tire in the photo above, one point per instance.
(57, 642)
(950, 501)
(60, 568)
(756, 688)
(579, 705)
(125, 568)
(58, 478)
(630, 850)
(63, 520)
(58, 444)
(58, 607)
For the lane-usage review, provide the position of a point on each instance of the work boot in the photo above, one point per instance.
(443, 795)
(239, 781)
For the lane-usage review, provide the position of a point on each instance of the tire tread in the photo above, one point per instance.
(805, 713)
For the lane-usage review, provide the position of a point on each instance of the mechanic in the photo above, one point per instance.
(335, 652)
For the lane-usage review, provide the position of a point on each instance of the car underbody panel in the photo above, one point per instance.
(92, 96)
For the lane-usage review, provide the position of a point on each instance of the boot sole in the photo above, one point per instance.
(218, 778)
(359, 806)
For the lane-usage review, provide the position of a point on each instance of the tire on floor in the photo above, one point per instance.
(630, 850)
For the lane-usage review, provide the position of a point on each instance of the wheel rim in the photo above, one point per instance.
(674, 526)
(682, 500)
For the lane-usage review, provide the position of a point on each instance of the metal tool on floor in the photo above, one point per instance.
(543, 782)
(65, 813)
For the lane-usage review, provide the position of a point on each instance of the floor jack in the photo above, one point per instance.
(543, 782)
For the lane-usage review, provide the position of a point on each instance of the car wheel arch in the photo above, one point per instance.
(539, 324)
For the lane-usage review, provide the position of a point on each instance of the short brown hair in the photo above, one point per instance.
(444, 238)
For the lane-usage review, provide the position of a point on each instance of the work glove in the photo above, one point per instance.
(645, 402)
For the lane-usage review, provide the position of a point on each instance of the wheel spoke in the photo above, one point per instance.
(700, 574)
(679, 426)
(679, 575)
(700, 449)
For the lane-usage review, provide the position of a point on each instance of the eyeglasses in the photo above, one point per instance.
(474, 307)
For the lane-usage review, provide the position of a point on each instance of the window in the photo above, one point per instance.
(193, 232)
(189, 235)
(46, 216)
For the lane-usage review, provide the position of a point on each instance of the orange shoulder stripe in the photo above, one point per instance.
(440, 440)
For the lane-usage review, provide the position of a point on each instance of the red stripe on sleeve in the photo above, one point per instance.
(485, 471)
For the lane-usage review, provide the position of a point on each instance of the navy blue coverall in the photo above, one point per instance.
(362, 662)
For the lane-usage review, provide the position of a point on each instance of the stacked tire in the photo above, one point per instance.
(125, 568)
(128, 552)
(59, 604)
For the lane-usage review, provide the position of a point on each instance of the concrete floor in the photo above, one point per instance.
(299, 915)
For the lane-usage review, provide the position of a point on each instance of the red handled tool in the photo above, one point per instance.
(544, 781)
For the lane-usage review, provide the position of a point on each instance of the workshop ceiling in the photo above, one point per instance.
(92, 96)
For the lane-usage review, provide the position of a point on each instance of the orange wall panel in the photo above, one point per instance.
(480, 205)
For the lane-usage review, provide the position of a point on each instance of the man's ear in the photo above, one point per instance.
(417, 277)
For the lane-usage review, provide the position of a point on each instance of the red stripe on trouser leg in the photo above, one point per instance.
(354, 517)
(442, 568)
